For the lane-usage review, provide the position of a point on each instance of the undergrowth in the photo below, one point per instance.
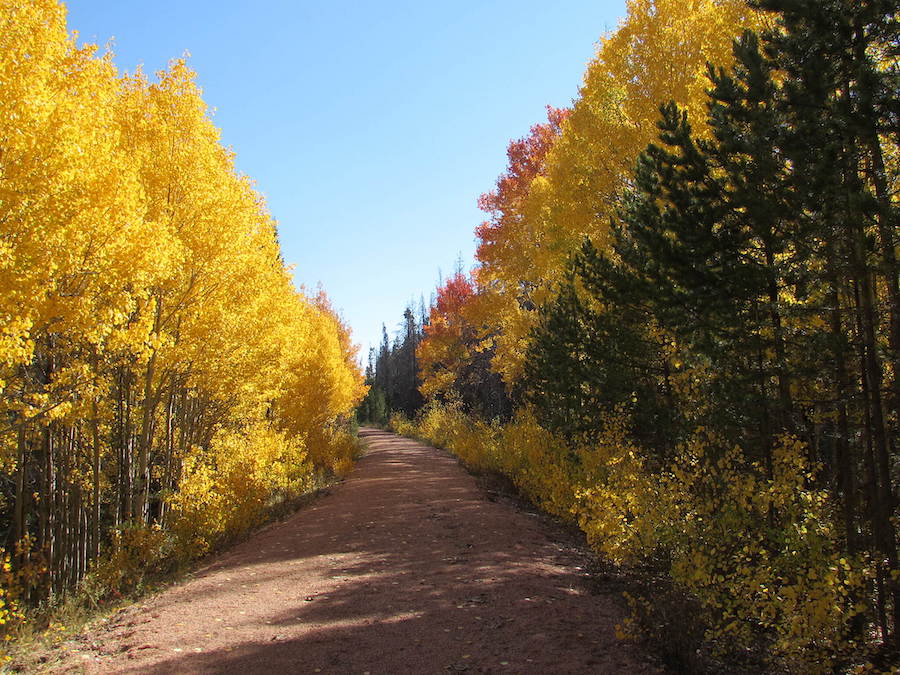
(726, 567)
(140, 561)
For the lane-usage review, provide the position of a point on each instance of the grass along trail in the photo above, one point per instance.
(408, 566)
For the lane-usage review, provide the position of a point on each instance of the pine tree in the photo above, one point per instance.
(766, 253)
(594, 351)
(840, 95)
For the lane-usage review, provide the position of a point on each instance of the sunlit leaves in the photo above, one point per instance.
(564, 178)
(150, 334)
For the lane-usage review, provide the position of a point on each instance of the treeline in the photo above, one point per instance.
(435, 355)
(162, 383)
(689, 284)
(392, 373)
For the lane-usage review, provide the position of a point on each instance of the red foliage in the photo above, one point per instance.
(526, 161)
(451, 298)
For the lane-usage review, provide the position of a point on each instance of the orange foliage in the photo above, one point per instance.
(448, 337)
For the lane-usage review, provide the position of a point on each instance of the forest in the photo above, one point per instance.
(682, 330)
(681, 334)
(163, 385)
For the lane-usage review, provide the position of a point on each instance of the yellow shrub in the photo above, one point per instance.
(10, 593)
(445, 425)
(227, 490)
(399, 423)
(133, 553)
(620, 507)
(760, 550)
(756, 551)
(442, 424)
(332, 449)
(539, 464)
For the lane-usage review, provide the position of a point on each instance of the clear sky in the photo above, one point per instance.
(370, 127)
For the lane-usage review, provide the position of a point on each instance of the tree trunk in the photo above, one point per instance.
(95, 497)
(19, 517)
(142, 482)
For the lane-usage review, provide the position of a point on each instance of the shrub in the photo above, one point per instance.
(753, 556)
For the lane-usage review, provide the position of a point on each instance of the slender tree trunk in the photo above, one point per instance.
(142, 486)
(95, 468)
(22, 468)
(127, 486)
(49, 491)
(784, 386)
(142, 482)
(874, 493)
(845, 463)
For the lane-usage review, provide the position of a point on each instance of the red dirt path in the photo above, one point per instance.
(407, 567)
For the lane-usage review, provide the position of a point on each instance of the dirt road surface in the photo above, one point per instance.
(407, 567)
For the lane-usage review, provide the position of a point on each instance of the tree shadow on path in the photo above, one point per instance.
(405, 568)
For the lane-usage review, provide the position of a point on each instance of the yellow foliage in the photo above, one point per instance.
(621, 507)
(11, 587)
(659, 53)
(150, 332)
(761, 550)
(755, 550)
(133, 553)
(227, 489)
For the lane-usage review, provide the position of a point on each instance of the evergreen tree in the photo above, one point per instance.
(767, 254)
(708, 239)
(583, 363)
(392, 375)
(840, 95)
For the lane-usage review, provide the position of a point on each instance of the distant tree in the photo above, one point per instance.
(392, 373)
(455, 362)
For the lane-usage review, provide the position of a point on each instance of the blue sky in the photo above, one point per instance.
(370, 127)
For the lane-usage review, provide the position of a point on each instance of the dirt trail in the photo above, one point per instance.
(407, 567)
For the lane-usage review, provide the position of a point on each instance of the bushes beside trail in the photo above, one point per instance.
(758, 558)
